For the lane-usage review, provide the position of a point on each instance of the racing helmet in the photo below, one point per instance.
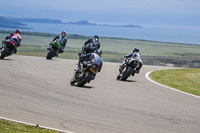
(136, 50)
(99, 52)
(18, 31)
(96, 38)
(63, 33)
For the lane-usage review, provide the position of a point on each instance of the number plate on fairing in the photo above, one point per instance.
(93, 71)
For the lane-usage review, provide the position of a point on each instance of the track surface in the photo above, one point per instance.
(36, 90)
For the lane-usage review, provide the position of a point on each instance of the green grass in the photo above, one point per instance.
(12, 127)
(154, 53)
(187, 80)
(114, 45)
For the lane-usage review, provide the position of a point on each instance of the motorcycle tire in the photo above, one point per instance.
(85, 79)
(4, 53)
(50, 54)
(127, 73)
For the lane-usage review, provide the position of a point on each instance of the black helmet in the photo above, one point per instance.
(63, 33)
(99, 52)
(96, 37)
(18, 31)
(136, 50)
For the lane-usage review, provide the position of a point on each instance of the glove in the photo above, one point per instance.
(50, 44)
(3, 41)
(125, 56)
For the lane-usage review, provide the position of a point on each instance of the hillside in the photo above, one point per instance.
(40, 20)
(8, 22)
(85, 22)
(11, 23)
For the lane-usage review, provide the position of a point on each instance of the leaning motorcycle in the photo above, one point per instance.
(54, 46)
(90, 68)
(130, 66)
(7, 49)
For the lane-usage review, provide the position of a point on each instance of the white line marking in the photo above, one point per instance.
(147, 76)
(35, 125)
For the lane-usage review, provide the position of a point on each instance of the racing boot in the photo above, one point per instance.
(50, 46)
(133, 73)
(121, 68)
(3, 43)
(80, 67)
(137, 71)
(119, 76)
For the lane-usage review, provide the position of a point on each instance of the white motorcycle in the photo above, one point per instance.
(131, 64)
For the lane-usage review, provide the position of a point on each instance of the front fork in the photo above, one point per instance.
(3, 46)
(77, 76)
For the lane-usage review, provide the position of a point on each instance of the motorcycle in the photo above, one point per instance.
(53, 50)
(130, 66)
(90, 69)
(7, 49)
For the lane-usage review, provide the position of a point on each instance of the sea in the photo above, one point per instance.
(162, 33)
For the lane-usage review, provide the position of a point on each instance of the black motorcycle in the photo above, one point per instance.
(52, 50)
(7, 49)
(130, 66)
(88, 73)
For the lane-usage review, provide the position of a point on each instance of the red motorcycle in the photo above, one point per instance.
(7, 49)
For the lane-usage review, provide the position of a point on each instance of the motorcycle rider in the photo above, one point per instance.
(92, 42)
(122, 66)
(14, 38)
(83, 60)
(61, 40)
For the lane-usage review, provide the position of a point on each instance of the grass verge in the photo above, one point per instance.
(187, 80)
(70, 53)
(154, 53)
(13, 127)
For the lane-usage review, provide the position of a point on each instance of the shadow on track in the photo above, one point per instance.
(126, 80)
(52, 59)
(84, 87)
(7, 59)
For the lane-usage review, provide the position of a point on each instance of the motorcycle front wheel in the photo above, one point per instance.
(4, 53)
(85, 79)
(50, 54)
(127, 73)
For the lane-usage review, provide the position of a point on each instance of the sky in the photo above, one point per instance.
(163, 12)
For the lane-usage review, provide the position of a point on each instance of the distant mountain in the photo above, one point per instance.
(39, 20)
(129, 26)
(85, 22)
(82, 22)
(9, 23)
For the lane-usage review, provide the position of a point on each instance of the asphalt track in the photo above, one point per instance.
(36, 90)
